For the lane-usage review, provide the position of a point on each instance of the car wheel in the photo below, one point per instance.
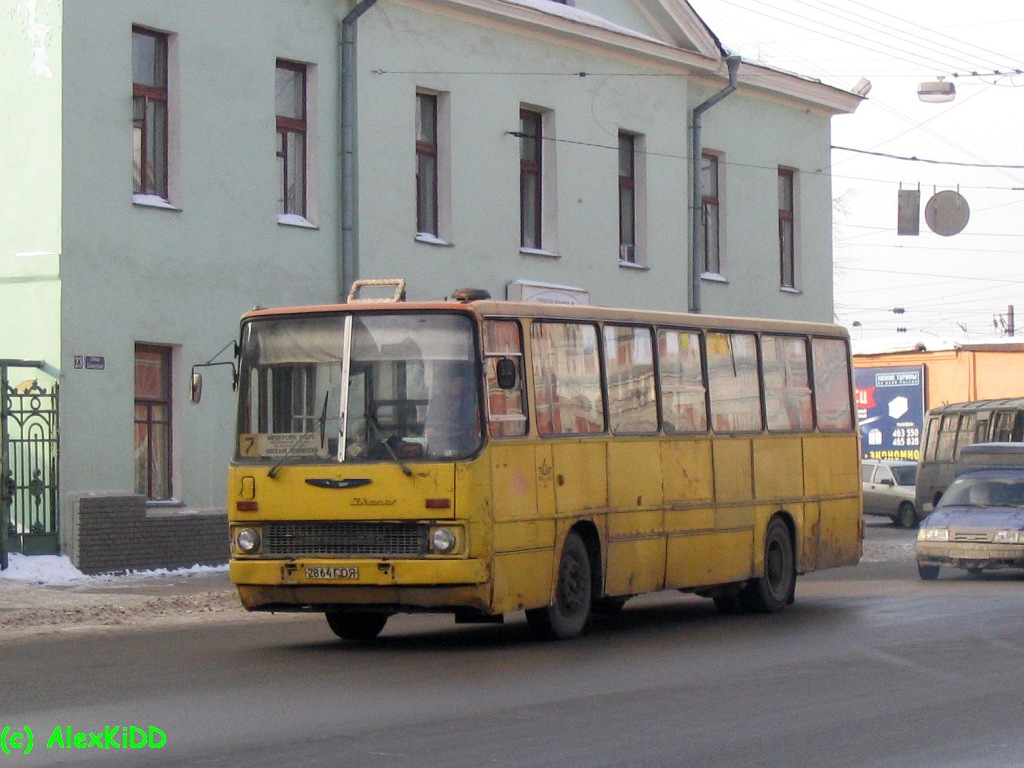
(570, 612)
(927, 572)
(774, 590)
(356, 626)
(907, 515)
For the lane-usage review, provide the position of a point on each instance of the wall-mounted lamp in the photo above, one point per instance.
(936, 92)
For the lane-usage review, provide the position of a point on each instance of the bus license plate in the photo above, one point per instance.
(332, 573)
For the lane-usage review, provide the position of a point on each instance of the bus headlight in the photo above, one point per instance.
(443, 540)
(247, 540)
(933, 534)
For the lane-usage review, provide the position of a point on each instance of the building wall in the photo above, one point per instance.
(93, 272)
(961, 375)
(181, 277)
(30, 182)
(756, 135)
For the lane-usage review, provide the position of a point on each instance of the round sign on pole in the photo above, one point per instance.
(947, 213)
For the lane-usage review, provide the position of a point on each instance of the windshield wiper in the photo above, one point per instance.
(387, 446)
(272, 472)
(323, 419)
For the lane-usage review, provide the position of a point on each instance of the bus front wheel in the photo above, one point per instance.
(774, 590)
(356, 625)
(569, 613)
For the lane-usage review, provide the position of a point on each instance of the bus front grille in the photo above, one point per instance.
(344, 539)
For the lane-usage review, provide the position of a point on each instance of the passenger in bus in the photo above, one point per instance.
(452, 424)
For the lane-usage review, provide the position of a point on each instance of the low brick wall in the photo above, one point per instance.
(119, 533)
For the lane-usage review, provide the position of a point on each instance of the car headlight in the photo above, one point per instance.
(443, 540)
(247, 540)
(1008, 537)
(933, 534)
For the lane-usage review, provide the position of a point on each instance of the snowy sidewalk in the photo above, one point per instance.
(48, 592)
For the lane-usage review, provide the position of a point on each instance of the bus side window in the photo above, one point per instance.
(931, 438)
(947, 437)
(965, 434)
(503, 353)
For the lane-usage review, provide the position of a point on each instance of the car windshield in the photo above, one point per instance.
(984, 492)
(407, 390)
(905, 475)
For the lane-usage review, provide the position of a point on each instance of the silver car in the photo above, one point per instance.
(978, 524)
(889, 490)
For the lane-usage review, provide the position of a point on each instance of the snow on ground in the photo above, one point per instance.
(58, 570)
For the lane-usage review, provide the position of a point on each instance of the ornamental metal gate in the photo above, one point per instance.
(29, 513)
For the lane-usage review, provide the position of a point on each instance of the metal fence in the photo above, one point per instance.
(29, 508)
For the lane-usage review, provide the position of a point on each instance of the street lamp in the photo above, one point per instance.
(936, 92)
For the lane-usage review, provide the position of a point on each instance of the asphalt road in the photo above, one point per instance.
(870, 667)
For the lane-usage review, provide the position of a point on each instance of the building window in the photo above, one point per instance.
(627, 198)
(149, 112)
(787, 251)
(426, 164)
(530, 178)
(153, 421)
(710, 214)
(290, 106)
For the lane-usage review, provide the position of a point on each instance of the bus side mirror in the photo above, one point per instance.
(195, 393)
(506, 371)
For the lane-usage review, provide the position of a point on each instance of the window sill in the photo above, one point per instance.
(787, 289)
(168, 506)
(633, 265)
(538, 252)
(153, 201)
(428, 238)
(713, 277)
(294, 220)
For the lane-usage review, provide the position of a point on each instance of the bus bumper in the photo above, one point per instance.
(402, 585)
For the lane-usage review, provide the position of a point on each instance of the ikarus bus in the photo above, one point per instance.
(479, 458)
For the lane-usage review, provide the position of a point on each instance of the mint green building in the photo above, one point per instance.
(167, 166)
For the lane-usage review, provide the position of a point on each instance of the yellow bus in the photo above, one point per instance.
(479, 457)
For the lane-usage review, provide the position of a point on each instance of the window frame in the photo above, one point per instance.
(627, 190)
(427, 151)
(159, 133)
(710, 201)
(286, 126)
(787, 228)
(531, 179)
(150, 404)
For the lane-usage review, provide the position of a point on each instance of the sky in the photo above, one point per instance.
(952, 287)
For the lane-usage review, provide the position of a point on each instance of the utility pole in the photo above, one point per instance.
(1009, 320)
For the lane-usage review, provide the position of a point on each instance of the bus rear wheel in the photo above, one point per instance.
(356, 625)
(774, 590)
(570, 612)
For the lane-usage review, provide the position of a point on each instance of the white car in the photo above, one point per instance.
(889, 490)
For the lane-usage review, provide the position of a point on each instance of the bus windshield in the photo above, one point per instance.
(359, 387)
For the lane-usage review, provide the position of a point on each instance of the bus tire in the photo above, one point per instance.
(356, 625)
(774, 590)
(570, 612)
(906, 516)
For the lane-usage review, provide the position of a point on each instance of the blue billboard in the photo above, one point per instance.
(890, 411)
